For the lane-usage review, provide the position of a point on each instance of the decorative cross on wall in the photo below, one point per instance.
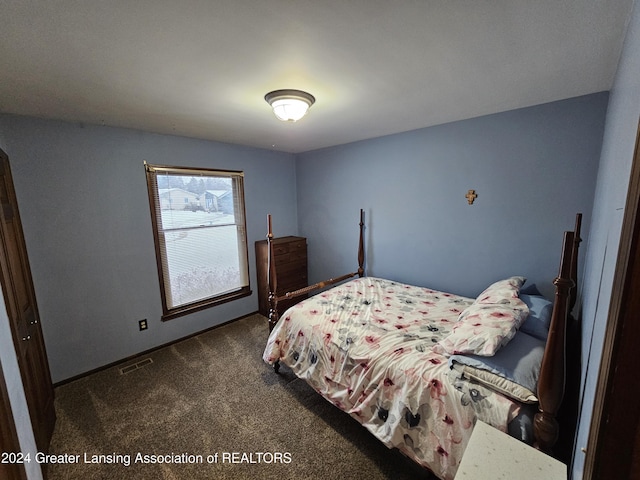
(471, 196)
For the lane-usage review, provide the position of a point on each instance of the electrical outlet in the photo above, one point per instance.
(142, 324)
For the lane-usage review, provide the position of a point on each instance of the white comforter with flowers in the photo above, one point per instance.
(368, 347)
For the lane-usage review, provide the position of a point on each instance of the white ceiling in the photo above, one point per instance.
(201, 68)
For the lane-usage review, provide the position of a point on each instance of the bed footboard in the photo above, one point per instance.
(272, 279)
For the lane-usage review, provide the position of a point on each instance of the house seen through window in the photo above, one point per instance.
(199, 227)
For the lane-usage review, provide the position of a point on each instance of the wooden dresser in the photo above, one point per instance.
(290, 254)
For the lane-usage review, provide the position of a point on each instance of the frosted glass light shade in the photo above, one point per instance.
(290, 109)
(289, 105)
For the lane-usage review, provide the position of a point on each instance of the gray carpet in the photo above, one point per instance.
(212, 394)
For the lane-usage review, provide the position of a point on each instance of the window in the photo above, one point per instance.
(200, 235)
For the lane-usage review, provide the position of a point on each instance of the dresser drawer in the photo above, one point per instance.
(280, 249)
(290, 253)
(298, 255)
(291, 271)
(286, 267)
(291, 284)
(297, 245)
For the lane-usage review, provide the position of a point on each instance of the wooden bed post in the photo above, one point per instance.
(551, 382)
(272, 280)
(574, 261)
(361, 246)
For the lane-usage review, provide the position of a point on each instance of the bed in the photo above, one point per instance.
(417, 367)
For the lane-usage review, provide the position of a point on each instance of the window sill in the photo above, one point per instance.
(196, 307)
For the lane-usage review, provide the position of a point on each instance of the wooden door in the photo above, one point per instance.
(19, 297)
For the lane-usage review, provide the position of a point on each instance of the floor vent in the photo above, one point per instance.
(135, 366)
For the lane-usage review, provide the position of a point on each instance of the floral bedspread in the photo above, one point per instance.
(367, 346)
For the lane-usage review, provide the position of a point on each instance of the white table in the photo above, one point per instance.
(492, 454)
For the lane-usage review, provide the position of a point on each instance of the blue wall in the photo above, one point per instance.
(533, 169)
(608, 213)
(83, 201)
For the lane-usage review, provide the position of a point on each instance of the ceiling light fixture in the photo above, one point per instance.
(289, 105)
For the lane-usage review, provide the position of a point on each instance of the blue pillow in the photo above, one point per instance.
(539, 319)
(531, 290)
(513, 370)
